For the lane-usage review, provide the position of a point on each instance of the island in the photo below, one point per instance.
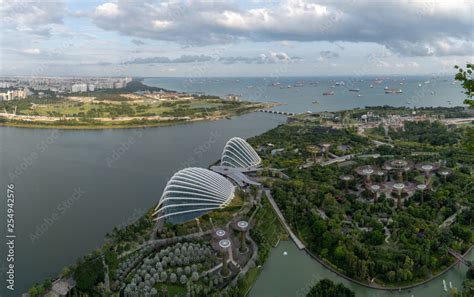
(131, 106)
(382, 196)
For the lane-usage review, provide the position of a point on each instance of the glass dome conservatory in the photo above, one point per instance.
(239, 154)
(191, 192)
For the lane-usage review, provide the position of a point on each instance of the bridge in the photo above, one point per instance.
(278, 112)
(461, 259)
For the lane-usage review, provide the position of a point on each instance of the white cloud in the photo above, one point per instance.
(32, 51)
(412, 28)
(32, 17)
(109, 10)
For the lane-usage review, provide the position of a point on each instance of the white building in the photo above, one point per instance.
(79, 88)
(13, 94)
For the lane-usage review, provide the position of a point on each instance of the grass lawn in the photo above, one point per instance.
(268, 225)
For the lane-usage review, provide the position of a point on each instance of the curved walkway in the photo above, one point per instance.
(296, 240)
(329, 267)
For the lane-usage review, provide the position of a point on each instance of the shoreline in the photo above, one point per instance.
(128, 122)
(384, 288)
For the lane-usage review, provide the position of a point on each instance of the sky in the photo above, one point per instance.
(235, 38)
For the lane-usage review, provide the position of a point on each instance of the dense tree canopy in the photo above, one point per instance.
(373, 241)
(326, 288)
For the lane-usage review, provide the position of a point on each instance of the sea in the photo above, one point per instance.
(303, 94)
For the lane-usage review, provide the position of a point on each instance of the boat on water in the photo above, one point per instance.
(316, 102)
(385, 88)
(393, 91)
(328, 93)
(359, 95)
(371, 86)
(354, 90)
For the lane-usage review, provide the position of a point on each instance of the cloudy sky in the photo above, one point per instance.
(235, 38)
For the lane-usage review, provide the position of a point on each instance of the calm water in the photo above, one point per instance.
(116, 189)
(303, 91)
(296, 273)
(72, 187)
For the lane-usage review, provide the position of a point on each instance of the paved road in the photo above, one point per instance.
(298, 242)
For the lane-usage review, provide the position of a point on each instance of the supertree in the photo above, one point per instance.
(400, 166)
(346, 179)
(444, 172)
(242, 226)
(366, 171)
(427, 168)
(223, 246)
(421, 188)
(313, 150)
(376, 189)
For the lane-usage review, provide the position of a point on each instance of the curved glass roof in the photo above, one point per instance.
(192, 192)
(239, 154)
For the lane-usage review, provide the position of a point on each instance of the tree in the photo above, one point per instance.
(163, 276)
(326, 288)
(173, 278)
(89, 273)
(465, 77)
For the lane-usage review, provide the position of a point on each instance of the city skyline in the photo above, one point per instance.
(250, 38)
